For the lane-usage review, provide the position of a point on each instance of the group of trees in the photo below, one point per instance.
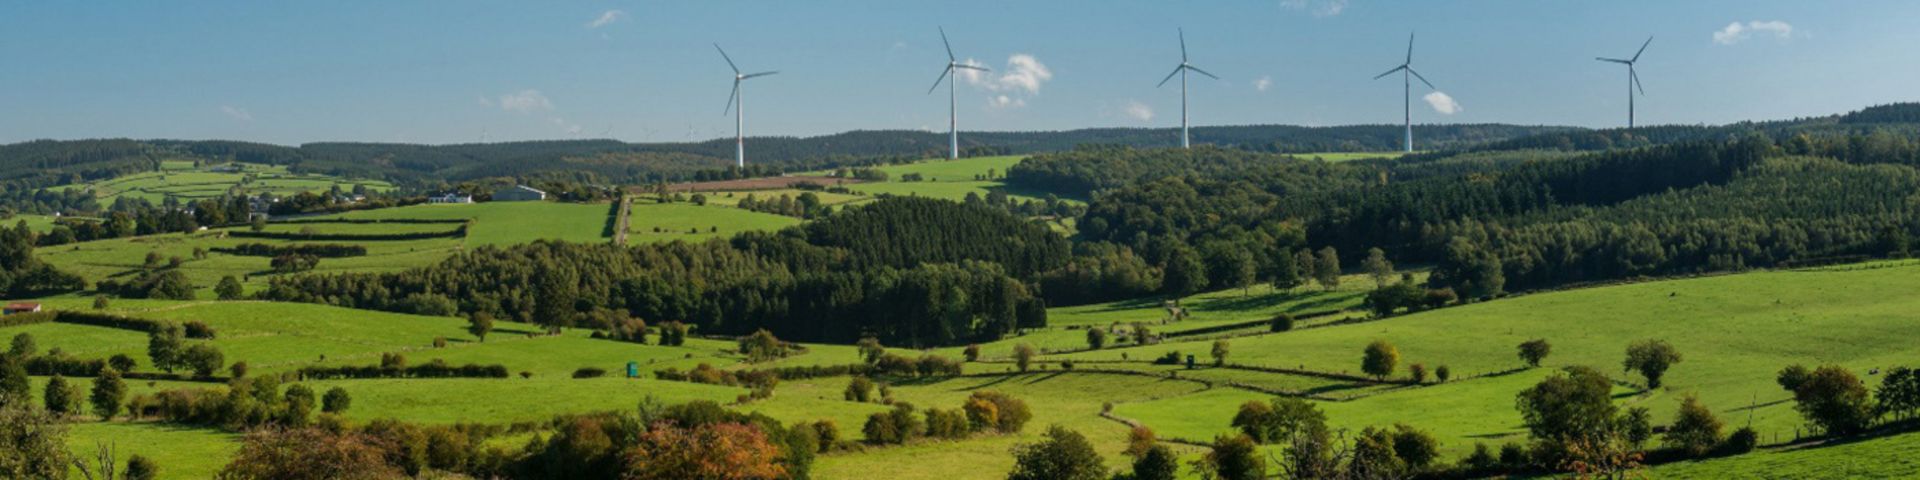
(910, 271)
(24, 275)
(805, 205)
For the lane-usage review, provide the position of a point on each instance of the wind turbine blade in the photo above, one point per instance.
(943, 77)
(1183, 45)
(1202, 72)
(1622, 62)
(943, 41)
(1409, 49)
(730, 98)
(1176, 71)
(1643, 49)
(1416, 74)
(1636, 80)
(723, 54)
(761, 74)
(972, 67)
(1389, 72)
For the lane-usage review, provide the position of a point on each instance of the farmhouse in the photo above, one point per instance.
(20, 307)
(519, 193)
(451, 198)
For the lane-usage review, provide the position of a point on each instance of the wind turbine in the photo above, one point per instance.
(1407, 75)
(953, 99)
(739, 118)
(1633, 78)
(1182, 72)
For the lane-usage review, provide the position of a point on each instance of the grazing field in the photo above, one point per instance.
(961, 170)
(124, 258)
(508, 223)
(654, 222)
(762, 183)
(181, 180)
(1735, 332)
(182, 452)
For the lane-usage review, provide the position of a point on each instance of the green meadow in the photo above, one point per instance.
(656, 222)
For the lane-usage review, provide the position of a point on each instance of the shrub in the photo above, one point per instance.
(1380, 359)
(141, 468)
(1012, 413)
(1234, 457)
(1695, 430)
(1442, 373)
(589, 372)
(1741, 441)
(972, 353)
(1418, 372)
(1096, 338)
(1280, 323)
(1834, 400)
(203, 359)
(1023, 356)
(336, 401)
(859, 389)
(199, 330)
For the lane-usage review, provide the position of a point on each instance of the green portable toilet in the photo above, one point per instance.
(633, 369)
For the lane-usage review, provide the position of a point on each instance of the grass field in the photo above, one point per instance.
(1735, 331)
(181, 180)
(508, 223)
(182, 452)
(695, 223)
(123, 258)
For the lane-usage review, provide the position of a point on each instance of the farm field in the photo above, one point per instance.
(181, 180)
(1736, 331)
(123, 258)
(1857, 309)
(506, 223)
(654, 222)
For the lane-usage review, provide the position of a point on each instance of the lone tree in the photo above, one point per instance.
(109, 393)
(480, 324)
(165, 344)
(229, 288)
(1651, 358)
(1096, 338)
(336, 401)
(1533, 351)
(1023, 356)
(1378, 267)
(1381, 358)
(1061, 454)
(1220, 350)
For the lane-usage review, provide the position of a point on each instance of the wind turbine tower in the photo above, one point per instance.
(739, 118)
(1182, 72)
(1633, 78)
(1406, 76)
(953, 99)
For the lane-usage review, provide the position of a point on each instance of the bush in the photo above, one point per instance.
(141, 468)
(1061, 454)
(336, 401)
(1418, 372)
(1442, 373)
(1741, 441)
(1533, 351)
(589, 372)
(1012, 413)
(1280, 323)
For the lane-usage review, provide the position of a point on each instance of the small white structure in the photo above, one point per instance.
(451, 198)
(519, 193)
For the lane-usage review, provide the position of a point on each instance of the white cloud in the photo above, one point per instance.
(1442, 103)
(1319, 8)
(607, 19)
(1263, 83)
(1737, 32)
(524, 101)
(486, 102)
(1020, 79)
(1137, 111)
(240, 114)
(898, 46)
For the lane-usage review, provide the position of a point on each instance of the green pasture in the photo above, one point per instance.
(124, 258)
(508, 223)
(1735, 331)
(676, 220)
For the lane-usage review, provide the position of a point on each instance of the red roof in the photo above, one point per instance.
(22, 306)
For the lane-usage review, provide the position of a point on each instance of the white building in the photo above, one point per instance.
(451, 198)
(519, 193)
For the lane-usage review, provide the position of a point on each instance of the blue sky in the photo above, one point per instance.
(445, 71)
